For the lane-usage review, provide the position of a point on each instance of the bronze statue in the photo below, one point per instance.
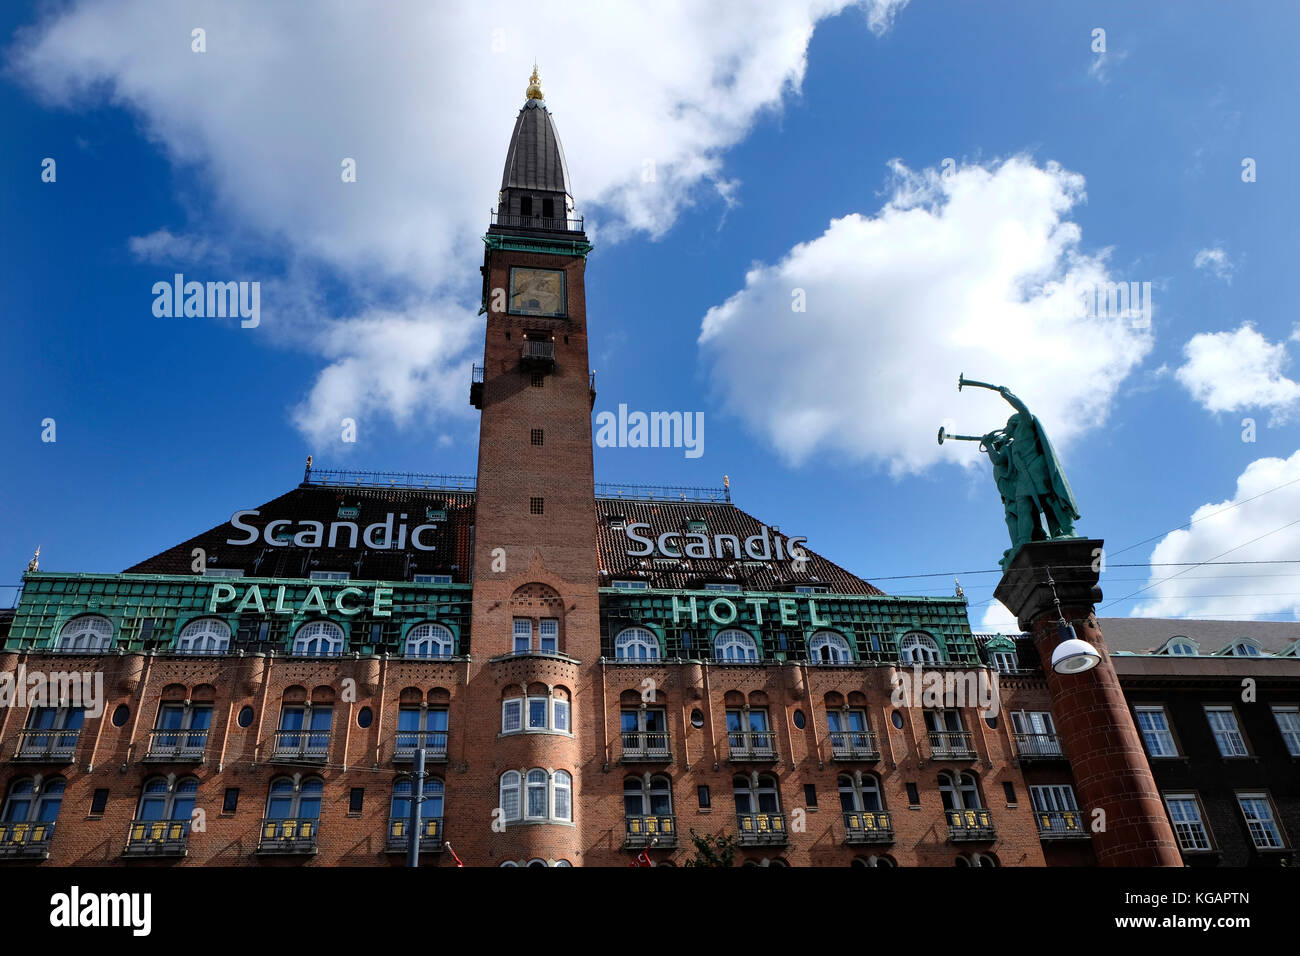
(1028, 474)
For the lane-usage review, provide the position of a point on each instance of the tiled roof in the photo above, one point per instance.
(1146, 635)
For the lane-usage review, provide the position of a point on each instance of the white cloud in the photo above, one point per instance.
(1234, 591)
(1233, 371)
(969, 272)
(1099, 68)
(997, 619)
(1216, 262)
(165, 247)
(422, 96)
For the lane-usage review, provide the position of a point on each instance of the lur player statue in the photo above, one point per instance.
(1028, 474)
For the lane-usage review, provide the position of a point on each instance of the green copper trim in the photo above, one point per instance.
(570, 247)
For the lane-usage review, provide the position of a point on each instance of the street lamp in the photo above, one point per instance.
(1073, 655)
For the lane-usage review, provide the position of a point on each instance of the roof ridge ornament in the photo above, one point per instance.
(534, 91)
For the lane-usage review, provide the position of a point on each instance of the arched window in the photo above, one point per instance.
(855, 797)
(29, 803)
(918, 648)
(207, 635)
(430, 640)
(161, 801)
(431, 809)
(289, 802)
(1243, 649)
(318, 639)
(563, 796)
(1182, 647)
(827, 647)
(756, 798)
(734, 645)
(873, 861)
(959, 791)
(636, 644)
(509, 801)
(87, 633)
(642, 801)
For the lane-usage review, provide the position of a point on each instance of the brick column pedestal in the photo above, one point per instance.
(1097, 731)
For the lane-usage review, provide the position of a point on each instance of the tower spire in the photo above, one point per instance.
(534, 91)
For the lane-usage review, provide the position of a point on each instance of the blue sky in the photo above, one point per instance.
(763, 132)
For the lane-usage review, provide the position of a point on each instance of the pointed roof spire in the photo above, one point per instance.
(35, 563)
(534, 85)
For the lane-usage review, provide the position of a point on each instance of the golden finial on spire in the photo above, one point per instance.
(535, 86)
(35, 563)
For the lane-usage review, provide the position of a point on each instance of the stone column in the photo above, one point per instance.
(1096, 728)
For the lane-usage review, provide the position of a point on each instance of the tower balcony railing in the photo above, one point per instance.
(176, 746)
(399, 840)
(537, 355)
(970, 826)
(292, 835)
(537, 222)
(476, 387)
(1038, 746)
(641, 747)
(1060, 825)
(655, 830)
(301, 746)
(854, 745)
(868, 826)
(751, 745)
(761, 829)
(26, 841)
(157, 838)
(408, 742)
(951, 745)
(47, 746)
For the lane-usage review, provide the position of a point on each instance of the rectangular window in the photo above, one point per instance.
(539, 380)
(512, 715)
(561, 719)
(432, 579)
(1288, 722)
(722, 587)
(1185, 815)
(1154, 726)
(331, 575)
(548, 208)
(1006, 662)
(810, 796)
(356, 799)
(810, 589)
(223, 572)
(98, 801)
(536, 506)
(538, 436)
(1223, 722)
(1053, 798)
(230, 800)
(1009, 789)
(523, 634)
(548, 634)
(1258, 811)
(525, 205)
(913, 795)
(702, 795)
(632, 585)
(537, 713)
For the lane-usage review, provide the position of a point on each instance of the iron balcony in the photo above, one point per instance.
(1060, 825)
(951, 745)
(47, 746)
(408, 742)
(757, 746)
(537, 356)
(157, 838)
(868, 826)
(656, 830)
(476, 387)
(26, 841)
(399, 840)
(290, 836)
(761, 829)
(854, 745)
(548, 223)
(176, 746)
(301, 746)
(970, 826)
(1030, 747)
(645, 748)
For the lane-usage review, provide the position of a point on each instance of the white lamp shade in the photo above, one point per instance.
(1074, 657)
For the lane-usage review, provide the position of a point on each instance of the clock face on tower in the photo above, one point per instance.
(537, 291)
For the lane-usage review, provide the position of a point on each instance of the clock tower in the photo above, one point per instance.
(536, 616)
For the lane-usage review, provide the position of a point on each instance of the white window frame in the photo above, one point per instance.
(314, 631)
(632, 585)
(1289, 727)
(839, 650)
(734, 637)
(917, 647)
(1258, 825)
(1244, 648)
(1005, 662)
(331, 575)
(562, 785)
(439, 636)
(88, 633)
(515, 705)
(1226, 729)
(1163, 733)
(1182, 647)
(517, 633)
(551, 624)
(511, 784)
(1186, 829)
(550, 705)
(636, 639)
(206, 631)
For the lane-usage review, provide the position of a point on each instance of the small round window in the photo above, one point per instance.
(364, 717)
(697, 718)
(799, 720)
(121, 715)
(246, 717)
(897, 718)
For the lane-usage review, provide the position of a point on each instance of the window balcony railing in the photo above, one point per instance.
(157, 838)
(177, 746)
(25, 841)
(951, 745)
(755, 745)
(868, 826)
(657, 830)
(408, 742)
(476, 386)
(301, 746)
(47, 746)
(399, 840)
(1038, 747)
(1061, 825)
(537, 355)
(970, 826)
(854, 745)
(645, 748)
(288, 836)
(761, 829)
